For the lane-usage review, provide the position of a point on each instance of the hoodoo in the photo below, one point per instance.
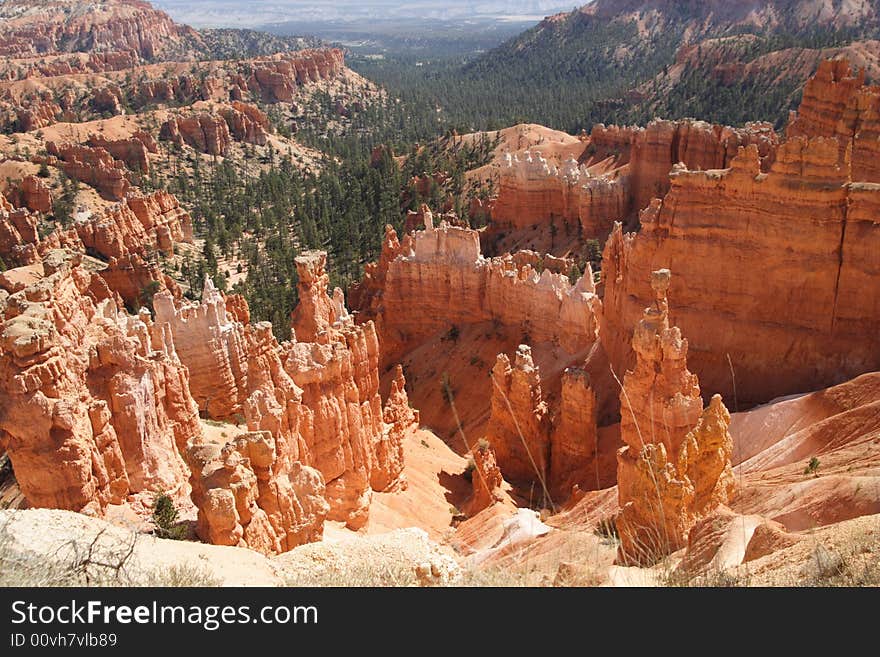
(676, 462)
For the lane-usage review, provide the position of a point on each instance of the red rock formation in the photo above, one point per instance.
(439, 278)
(800, 222)
(400, 419)
(248, 497)
(213, 348)
(611, 141)
(18, 235)
(486, 479)
(341, 410)
(574, 440)
(95, 404)
(107, 100)
(837, 103)
(676, 462)
(575, 201)
(533, 192)
(132, 151)
(366, 294)
(33, 29)
(69, 64)
(164, 221)
(417, 219)
(204, 132)
(318, 395)
(519, 427)
(315, 311)
(183, 88)
(93, 166)
(135, 279)
(827, 98)
(37, 113)
(237, 308)
(140, 224)
(541, 443)
(124, 234)
(277, 78)
(247, 123)
(697, 144)
(33, 194)
(268, 79)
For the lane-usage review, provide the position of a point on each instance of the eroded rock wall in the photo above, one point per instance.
(95, 404)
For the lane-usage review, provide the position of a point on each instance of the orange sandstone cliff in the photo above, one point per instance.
(317, 395)
(618, 173)
(676, 462)
(95, 403)
(774, 267)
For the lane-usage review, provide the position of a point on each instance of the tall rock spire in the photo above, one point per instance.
(675, 465)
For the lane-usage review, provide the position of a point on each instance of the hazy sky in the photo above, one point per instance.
(250, 13)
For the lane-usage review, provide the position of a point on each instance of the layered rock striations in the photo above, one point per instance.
(838, 103)
(249, 497)
(58, 26)
(675, 465)
(400, 418)
(437, 277)
(213, 132)
(519, 426)
(33, 194)
(93, 166)
(19, 235)
(621, 170)
(134, 151)
(317, 395)
(203, 131)
(551, 446)
(533, 191)
(212, 346)
(574, 442)
(773, 271)
(698, 145)
(95, 403)
(81, 87)
(124, 234)
(277, 78)
(486, 479)
(140, 224)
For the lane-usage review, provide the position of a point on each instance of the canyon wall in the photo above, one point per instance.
(95, 404)
(772, 272)
(621, 170)
(774, 266)
(437, 278)
(837, 103)
(123, 234)
(274, 79)
(124, 25)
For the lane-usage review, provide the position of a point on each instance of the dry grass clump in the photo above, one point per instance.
(856, 563)
(103, 561)
(355, 573)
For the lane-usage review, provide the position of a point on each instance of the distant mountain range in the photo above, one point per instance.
(258, 13)
(629, 60)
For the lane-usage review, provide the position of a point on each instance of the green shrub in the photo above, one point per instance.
(165, 519)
